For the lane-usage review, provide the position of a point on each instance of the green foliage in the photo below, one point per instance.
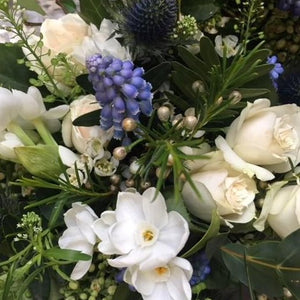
(12, 74)
(158, 74)
(267, 266)
(68, 6)
(200, 9)
(93, 11)
(31, 5)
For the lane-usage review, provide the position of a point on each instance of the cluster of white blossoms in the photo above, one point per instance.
(141, 236)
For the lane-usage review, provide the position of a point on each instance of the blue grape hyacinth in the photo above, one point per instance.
(121, 91)
(150, 21)
(201, 268)
(276, 71)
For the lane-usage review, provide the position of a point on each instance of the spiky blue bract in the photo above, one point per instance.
(120, 90)
(291, 5)
(150, 21)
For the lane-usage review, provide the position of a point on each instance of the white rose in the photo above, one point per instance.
(223, 188)
(85, 139)
(281, 209)
(267, 136)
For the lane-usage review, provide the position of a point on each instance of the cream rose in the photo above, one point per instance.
(77, 40)
(90, 139)
(267, 136)
(229, 191)
(281, 209)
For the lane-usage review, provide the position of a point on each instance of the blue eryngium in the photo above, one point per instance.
(120, 90)
(292, 5)
(150, 21)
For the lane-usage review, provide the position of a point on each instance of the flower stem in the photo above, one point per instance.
(44, 132)
(20, 133)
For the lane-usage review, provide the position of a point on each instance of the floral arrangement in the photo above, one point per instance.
(149, 150)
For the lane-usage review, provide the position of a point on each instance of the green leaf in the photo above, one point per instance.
(212, 231)
(208, 52)
(89, 119)
(83, 81)
(270, 265)
(252, 92)
(158, 74)
(201, 9)
(124, 293)
(13, 75)
(66, 254)
(93, 11)
(68, 6)
(31, 5)
(40, 160)
(194, 63)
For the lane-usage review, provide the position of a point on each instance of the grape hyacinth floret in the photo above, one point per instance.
(120, 90)
(201, 268)
(276, 71)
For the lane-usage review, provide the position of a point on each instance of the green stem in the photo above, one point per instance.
(44, 132)
(20, 133)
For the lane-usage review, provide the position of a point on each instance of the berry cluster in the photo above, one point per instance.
(120, 90)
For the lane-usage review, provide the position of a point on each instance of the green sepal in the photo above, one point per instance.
(40, 160)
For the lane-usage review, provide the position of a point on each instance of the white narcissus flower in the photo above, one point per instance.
(32, 107)
(222, 187)
(167, 282)
(281, 209)
(8, 141)
(141, 231)
(267, 136)
(85, 139)
(79, 235)
(9, 108)
(229, 43)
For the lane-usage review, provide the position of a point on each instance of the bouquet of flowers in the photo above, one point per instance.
(149, 150)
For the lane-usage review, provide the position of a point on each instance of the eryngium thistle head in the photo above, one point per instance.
(150, 21)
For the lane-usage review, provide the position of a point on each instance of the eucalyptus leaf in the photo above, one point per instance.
(12, 74)
(252, 92)
(66, 254)
(268, 266)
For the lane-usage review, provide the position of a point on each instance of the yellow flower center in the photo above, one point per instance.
(161, 270)
(148, 235)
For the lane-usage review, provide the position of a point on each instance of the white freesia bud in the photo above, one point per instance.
(267, 136)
